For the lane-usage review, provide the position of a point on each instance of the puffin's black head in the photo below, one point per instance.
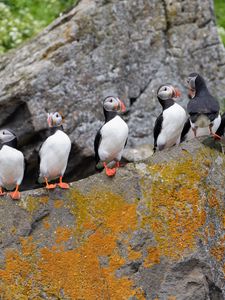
(54, 119)
(8, 137)
(195, 82)
(114, 104)
(167, 91)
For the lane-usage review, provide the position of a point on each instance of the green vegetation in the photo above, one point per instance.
(21, 19)
(220, 16)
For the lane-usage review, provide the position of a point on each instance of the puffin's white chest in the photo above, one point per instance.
(174, 118)
(54, 155)
(11, 167)
(201, 131)
(113, 138)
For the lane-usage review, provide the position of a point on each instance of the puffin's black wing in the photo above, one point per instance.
(221, 130)
(213, 105)
(157, 129)
(206, 104)
(186, 128)
(97, 142)
(25, 166)
(125, 143)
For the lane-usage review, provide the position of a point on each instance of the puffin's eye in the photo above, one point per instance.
(111, 100)
(165, 89)
(57, 115)
(3, 132)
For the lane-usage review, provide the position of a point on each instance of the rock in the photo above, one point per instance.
(121, 47)
(154, 231)
(138, 153)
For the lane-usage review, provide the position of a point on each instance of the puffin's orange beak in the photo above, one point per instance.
(122, 106)
(177, 93)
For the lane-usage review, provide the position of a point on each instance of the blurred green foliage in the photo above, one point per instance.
(220, 17)
(21, 19)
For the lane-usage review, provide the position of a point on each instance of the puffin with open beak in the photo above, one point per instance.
(170, 122)
(54, 153)
(12, 164)
(111, 138)
(203, 110)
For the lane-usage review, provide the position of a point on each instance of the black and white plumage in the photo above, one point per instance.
(54, 152)
(111, 138)
(12, 163)
(203, 110)
(169, 124)
(221, 130)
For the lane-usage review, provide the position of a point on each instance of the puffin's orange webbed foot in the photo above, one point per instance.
(49, 186)
(16, 194)
(109, 172)
(1, 192)
(63, 185)
(216, 136)
(118, 164)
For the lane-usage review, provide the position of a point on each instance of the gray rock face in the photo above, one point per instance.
(122, 47)
(138, 153)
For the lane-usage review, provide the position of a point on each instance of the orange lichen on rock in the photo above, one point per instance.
(105, 209)
(77, 272)
(62, 234)
(175, 208)
(27, 246)
(17, 277)
(218, 251)
(213, 202)
(46, 224)
(152, 258)
(58, 203)
(211, 230)
(43, 200)
(133, 255)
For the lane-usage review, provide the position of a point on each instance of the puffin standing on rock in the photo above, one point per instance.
(169, 124)
(54, 153)
(11, 164)
(111, 138)
(221, 130)
(203, 110)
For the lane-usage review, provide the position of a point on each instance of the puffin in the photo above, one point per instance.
(12, 164)
(111, 138)
(203, 109)
(170, 122)
(54, 153)
(221, 130)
